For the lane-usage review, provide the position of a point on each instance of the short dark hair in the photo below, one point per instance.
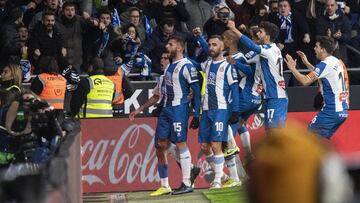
(219, 37)
(48, 64)
(47, 13)
(97, 63)
(283, 1)
(271, 29)
(134, 8)
(327, 43)
(179, 40)
(167, 21)
(104, 10)
(69, 4)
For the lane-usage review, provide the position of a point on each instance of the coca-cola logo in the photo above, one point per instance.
(121, 157)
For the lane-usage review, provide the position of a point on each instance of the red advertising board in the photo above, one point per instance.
(118, 155)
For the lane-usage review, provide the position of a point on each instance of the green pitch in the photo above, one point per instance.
(231, 195)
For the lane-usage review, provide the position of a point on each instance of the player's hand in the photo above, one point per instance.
(156, 112)
(195, 123)
(132, 115)
(234, 118)
(290, 62)
(303, 58)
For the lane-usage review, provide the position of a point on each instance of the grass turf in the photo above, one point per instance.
(224, 195)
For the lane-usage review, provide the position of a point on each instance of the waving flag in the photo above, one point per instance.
(115, 21)
(148, 27)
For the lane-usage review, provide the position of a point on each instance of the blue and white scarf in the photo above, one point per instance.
(286, 24)
(104, 41)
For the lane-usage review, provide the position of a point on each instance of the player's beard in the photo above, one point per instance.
(172, 54)
(214, 54)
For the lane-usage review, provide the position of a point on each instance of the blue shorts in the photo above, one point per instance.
(214, 126)
(326, 122)
(276, 112)
(172, 124)
(247, 108)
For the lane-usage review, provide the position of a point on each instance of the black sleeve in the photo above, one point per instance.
(79, 96)
(128, 89)
(36, 86)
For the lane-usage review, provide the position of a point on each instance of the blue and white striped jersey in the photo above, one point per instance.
(220, 75)
(250, 82)
(177, 77)
(271, 62)
(159, 89)
(332, 80)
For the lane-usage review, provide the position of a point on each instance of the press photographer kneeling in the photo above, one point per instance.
(31, 130)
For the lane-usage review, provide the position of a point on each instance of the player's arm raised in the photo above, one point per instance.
(151, 101)
(243, 39)
(303, 79)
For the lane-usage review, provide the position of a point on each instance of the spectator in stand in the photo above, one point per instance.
(25, 64)
(134, 16)
(128, 43)
(200, 11)
(100, 43)
(97, 87)
(50, 85)
(124, 5)
(170, 9)
(245, 12)
(335, 24)
(51, 5)
(294, 30)
(217, 24)
(154, 46)
(46, 40)
(73, 27)
(273, 6)
(10, 40)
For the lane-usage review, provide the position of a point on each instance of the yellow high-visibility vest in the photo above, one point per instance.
(99, 100)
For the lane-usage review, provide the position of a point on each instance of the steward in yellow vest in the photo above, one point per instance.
(94, 95)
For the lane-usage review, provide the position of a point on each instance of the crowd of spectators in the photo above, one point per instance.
(123, 32)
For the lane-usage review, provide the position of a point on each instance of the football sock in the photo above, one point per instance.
(218, 167)
(210, 160)
(185, 161)
(231, 141)
(163, 173)
(231, 165)
(245, 139)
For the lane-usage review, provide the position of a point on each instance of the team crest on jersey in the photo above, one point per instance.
(176, 70)
(222, 69)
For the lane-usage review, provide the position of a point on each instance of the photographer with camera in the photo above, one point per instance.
(32, 129)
